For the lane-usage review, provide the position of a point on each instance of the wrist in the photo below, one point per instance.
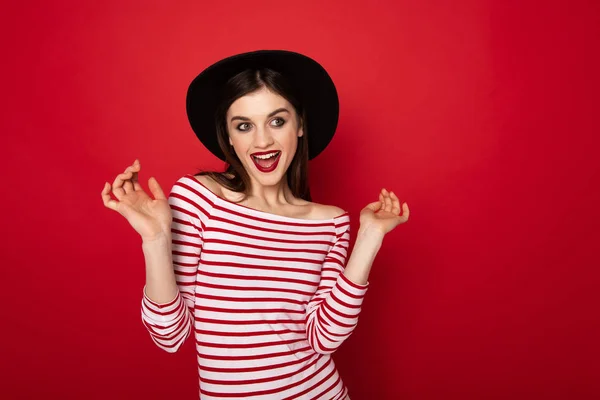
(157, 238)
(370, 233)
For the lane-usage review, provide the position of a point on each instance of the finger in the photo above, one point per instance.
(395, 203)
(106, 199)
(374, 206)
(118, 184)
(382, 201)
(128, 185)
(135, 167)
(135, 179)
(156, 190)
(136, 184)
(388, 201)
(405, 211)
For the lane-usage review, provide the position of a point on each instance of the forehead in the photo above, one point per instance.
(261, 102)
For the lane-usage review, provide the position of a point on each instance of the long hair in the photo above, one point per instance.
(235, 177)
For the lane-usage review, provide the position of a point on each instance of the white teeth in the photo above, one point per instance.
(266, 156)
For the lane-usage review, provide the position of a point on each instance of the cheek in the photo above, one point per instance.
(239, 145)
(289, 139)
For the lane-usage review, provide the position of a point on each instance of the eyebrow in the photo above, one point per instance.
(268, 116)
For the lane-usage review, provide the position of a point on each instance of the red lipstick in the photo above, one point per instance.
(268, 165)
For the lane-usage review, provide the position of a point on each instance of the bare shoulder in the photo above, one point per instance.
(323, 211)
(307, 208)
(218, 189)
(212, 185)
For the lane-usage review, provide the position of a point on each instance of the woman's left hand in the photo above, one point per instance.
(384, 215)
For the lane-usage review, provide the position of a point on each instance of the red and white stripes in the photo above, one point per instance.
(264, 295)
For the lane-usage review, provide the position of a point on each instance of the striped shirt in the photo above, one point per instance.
(264, 295)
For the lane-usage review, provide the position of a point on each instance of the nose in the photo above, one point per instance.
(262, 138)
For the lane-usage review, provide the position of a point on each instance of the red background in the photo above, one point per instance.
(482, 115)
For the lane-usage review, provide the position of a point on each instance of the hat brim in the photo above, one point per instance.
(315, 87)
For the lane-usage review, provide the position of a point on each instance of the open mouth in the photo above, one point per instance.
(267, 163)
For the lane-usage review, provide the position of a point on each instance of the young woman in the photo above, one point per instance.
(243, 258)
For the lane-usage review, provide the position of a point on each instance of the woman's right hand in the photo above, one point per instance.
(151, 218)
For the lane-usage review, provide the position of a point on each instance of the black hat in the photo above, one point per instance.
(313, 84)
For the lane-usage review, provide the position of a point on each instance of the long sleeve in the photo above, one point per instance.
(332, 313)
(170, 324)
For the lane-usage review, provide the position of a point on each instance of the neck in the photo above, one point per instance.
(272, 196)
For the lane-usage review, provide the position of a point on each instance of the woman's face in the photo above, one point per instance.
(263, 122)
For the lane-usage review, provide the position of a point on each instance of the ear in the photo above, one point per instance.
(230, 143)
(300, 132)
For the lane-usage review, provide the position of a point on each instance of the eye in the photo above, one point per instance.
(279, 119)
(243, 123)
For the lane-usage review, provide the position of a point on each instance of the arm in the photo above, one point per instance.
(332, 313)
(171, 266)
(367, 245)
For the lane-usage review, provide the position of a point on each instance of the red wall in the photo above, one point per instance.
(482, 115)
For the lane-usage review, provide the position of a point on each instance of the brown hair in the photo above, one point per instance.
(235, 177)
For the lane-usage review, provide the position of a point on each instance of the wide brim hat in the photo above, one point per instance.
(314, 86)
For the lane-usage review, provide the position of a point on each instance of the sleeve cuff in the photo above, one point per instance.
(347, 296)
(161, 308)
(352, 287)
